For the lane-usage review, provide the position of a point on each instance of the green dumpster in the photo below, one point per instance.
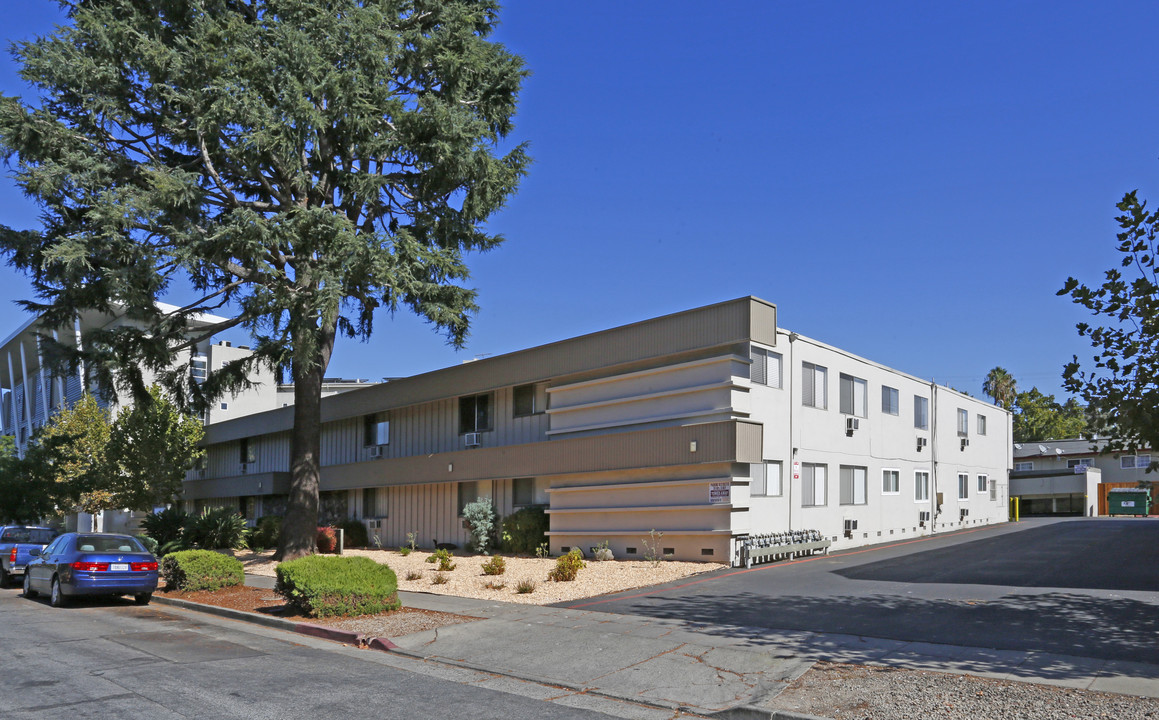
(1128, 501)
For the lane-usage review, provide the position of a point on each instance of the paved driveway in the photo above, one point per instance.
(1078, 587)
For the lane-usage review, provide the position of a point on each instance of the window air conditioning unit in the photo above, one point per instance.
(923, 517)
(374, 524)
(374, 451)
(471, 439)
(965, 443)
(851, 424)
(850, 526)
(963, 514)
(922, 442)
(247, 468)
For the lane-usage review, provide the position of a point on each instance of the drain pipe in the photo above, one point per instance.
(792, 440)
(934, 510)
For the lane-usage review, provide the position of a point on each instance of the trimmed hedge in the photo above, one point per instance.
(324, 586)
(524, 530)
(354, 534)
(201, 570)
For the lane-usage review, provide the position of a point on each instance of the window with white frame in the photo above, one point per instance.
(963, 423)
(854, 395)
(814, 386)
(814, 489)
(983, 483)
(1080, 462)
(921, 412)
(890, 482)
(766, 367)
(853, 485)
(889, 400)
(1139, 462)
(921, 486)
(981, 424)
(963, 486)
(765, 479)
(1020, 466)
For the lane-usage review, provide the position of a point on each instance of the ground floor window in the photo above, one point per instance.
(983, 483)
(963, 486)
(890, 482)
(921, 486)
(814, 485)
(853, 485)
(468, 493)
(372, 503)
(765, 479)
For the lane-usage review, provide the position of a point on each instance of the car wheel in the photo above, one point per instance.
(142, 598)
(28, 591)
(57, 598)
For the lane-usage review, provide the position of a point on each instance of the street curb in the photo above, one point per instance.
(741, 712)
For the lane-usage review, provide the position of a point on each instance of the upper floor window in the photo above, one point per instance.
(854, 393)
(1019, 466)
(814, 386)
(765, 479)
(765, 368)
(1127, 462)
(921, 412)
(248, 454)
(963, 423)
(981, 424)
(475, 413)
(853, 485)
(889, 400)
(1081, 462)
(199, 369)
(529, 399)
(375, 429)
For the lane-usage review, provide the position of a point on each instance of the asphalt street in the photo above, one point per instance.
(1081, 588)
(110, 659)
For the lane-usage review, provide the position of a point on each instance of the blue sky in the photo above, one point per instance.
(911, 182)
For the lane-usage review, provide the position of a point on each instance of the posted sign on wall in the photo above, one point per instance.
(719, 492)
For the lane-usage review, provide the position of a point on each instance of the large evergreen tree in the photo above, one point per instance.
(297, 163)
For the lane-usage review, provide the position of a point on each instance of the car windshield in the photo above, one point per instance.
(107, 543)
(35, 536)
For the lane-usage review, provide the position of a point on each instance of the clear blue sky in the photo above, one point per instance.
(911, 182)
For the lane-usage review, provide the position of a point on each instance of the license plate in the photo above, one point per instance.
(119, 567)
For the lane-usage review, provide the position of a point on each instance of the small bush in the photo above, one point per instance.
(326, 586)
(217, 528)
(494, 584)
(167, 525)
(445, 564)
(404, 551)
(480, 519)
(201, 570)
(524, 530)
(265, 534)
(567, 566)
(149, 543)
(327, 540)
(443, 557)
(440, 579)
(525, 586)
(414, 574)
(495, 566)
(354, 534)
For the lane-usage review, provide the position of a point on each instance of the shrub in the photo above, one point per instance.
(327, 540)
(201, 570)
(325, 586)
(403, 550)
(567, 566)
(524, 530)
(495, 566)
(440, 579)
(265, 534)
(149, 543)
(494, 584)
(354, 533)
(443, 557)
(414, 574)
(480, 519)
(525, 586)
(166, 526)
(219, 528)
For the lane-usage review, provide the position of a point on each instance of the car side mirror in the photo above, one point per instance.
(34, 552)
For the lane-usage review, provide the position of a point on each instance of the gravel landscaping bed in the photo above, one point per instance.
(468, 580)
(866, 692)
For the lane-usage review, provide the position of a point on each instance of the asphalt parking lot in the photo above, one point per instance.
(1077, 587)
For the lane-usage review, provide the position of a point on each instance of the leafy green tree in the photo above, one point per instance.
(24, 497)
(68, 455)
(151, 446)
(299, 163)
(1121, 383)
(1040, 417)
(1001, 386)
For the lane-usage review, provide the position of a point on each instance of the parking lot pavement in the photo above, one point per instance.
(1068, 601)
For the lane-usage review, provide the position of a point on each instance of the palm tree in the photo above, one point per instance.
(1000, 385)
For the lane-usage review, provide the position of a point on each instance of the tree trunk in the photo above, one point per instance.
(300, 525)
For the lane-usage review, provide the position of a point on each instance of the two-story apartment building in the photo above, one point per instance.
(1069, 477)
(706, 425)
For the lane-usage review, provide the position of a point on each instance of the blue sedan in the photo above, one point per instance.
(92, 564)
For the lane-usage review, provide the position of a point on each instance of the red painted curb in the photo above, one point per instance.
(383, 644)
(342, 636)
